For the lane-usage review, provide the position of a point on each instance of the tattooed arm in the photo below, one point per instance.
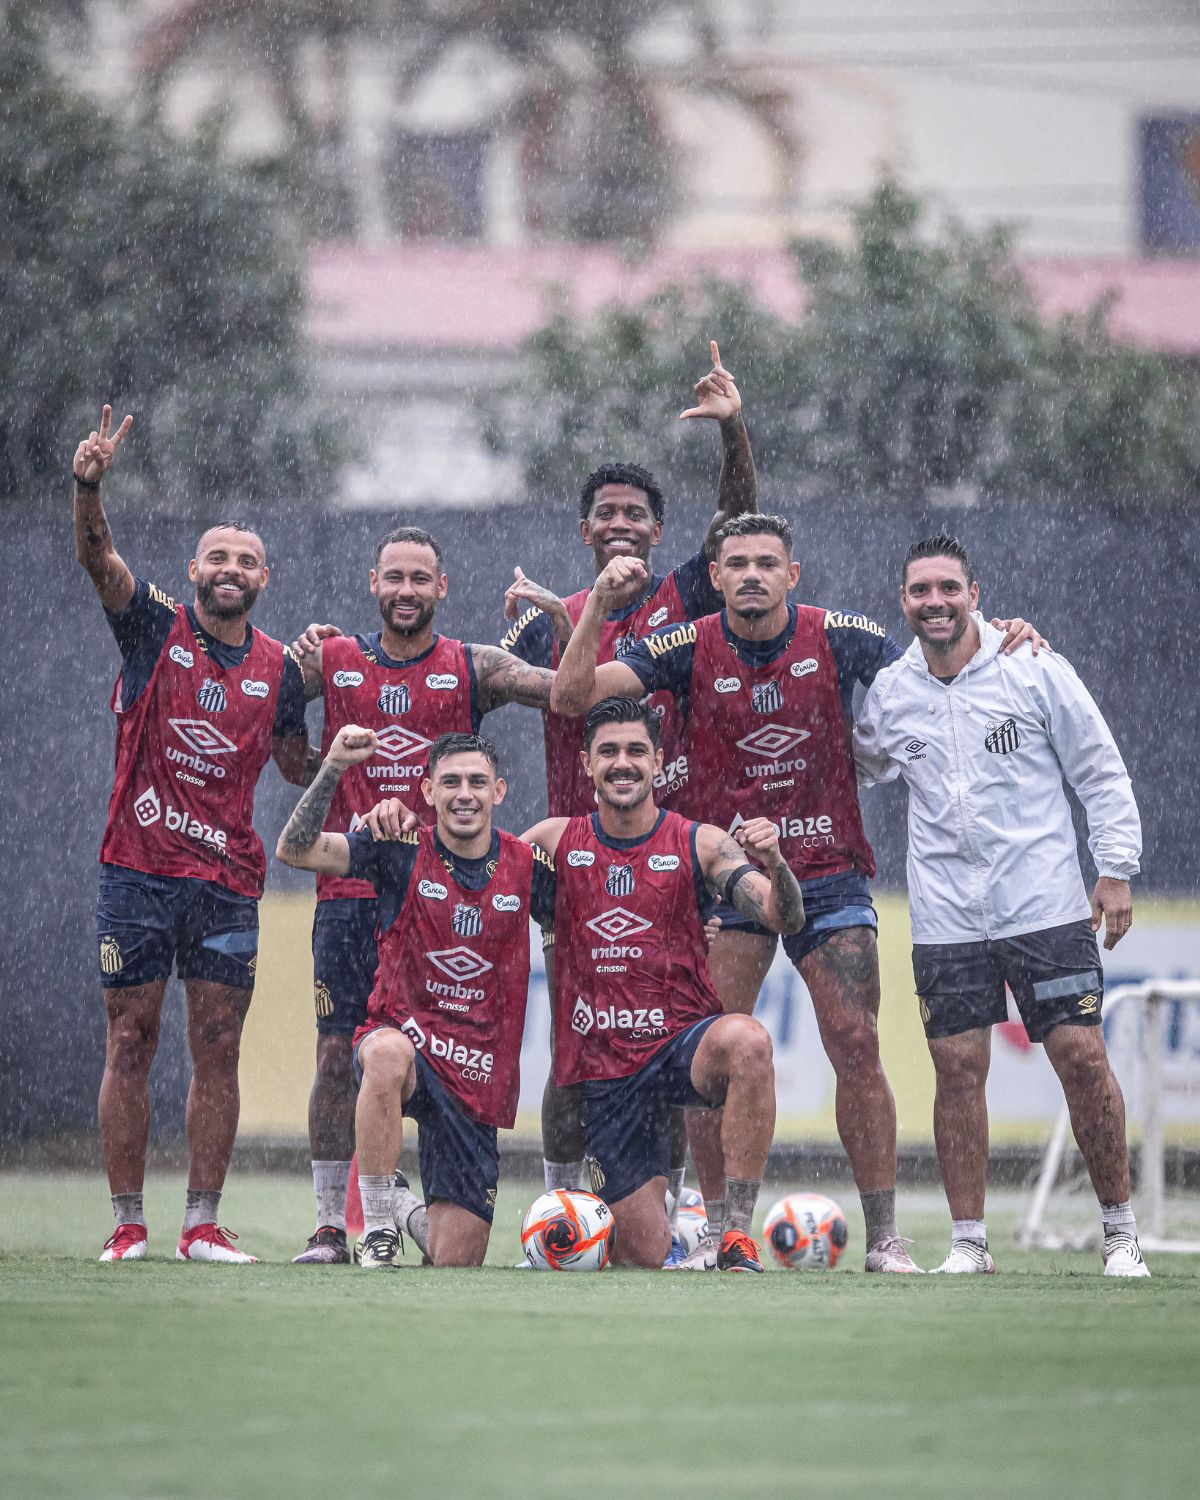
(302, 843)
(93, 538)
(774, 899)
(502, 678)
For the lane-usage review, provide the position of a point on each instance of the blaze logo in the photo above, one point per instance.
(394, 698)
(617, 923)
(637, 1020)
(582, 1018)
(459, 963)
(201, 737)
(773, 741)
(398, 743)
(147, 808)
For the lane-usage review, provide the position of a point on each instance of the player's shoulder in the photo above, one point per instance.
(156, 597)
(528, 624)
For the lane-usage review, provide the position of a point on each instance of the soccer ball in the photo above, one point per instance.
(807, 1231)
(567, 1230)
(691, 1223)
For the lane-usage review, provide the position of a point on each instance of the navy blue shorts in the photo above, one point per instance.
(457, 1156)
(344, 962)
(1055, 975)
(146, 923)
(831, 903)
(626, 1120)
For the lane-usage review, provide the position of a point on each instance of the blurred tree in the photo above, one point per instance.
(920, 365)
(135, 270)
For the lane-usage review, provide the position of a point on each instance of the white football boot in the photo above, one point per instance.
(1122, 1255)
(207, 1242)
(891, 1255)
(702, 1258)
(966, 1258)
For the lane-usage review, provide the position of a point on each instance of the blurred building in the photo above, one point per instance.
(457, 161)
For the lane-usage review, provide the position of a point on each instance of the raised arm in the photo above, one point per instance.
(307, 647)
(93, 538)
(546, 834)
(302, 843)
(501, 678)
(773, 900)
(718, 399)
(522, 593)
(579, 682)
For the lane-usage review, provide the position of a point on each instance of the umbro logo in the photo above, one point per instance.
(398, 743)
(459, 963)
(616, 924)
(914, 747)
(773, 741)
(201, 737)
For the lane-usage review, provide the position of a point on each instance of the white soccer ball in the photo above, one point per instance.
(691, 1222)
(806, 1231)
(567, 1230)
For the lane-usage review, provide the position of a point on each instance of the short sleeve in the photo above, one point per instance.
(696, 592)
(289, 707)
(543, 890)
(531, 638)
(141, 631)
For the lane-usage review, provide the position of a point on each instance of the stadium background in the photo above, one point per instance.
(1115, 598)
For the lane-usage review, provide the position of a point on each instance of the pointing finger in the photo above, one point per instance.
(105, 418)
(715, 352)
(122, 430)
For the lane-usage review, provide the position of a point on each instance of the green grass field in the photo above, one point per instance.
(159, 1379)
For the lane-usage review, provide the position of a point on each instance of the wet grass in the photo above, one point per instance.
(163, 1379)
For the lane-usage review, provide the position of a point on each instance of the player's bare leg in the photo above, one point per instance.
(960, 1132)
(738, 963)
(641, 1235)
(388, 1061)
(734, 1060)
(215, 1014)
(457, 1237)
(1079, 1057)
(331, 1105)
(842, 976)
(134, 1015)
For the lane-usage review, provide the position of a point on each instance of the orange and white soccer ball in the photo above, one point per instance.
(567, 1230)
(806, 1231)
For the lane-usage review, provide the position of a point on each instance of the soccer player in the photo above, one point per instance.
(621, 514)
(202, 702)
(441, 1042)
(984, 741)
(637, 1024)
(409, 685)
(765, 690)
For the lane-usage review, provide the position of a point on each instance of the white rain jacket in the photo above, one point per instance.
(991, 846)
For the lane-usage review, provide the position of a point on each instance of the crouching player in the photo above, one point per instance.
(637, 1022)
(442, 1039)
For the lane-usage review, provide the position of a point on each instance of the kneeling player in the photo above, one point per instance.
(442, 1039)
(636, 1020)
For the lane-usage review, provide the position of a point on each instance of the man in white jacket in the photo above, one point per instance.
(984, 741)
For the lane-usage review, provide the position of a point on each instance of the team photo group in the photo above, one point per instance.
(706, 741)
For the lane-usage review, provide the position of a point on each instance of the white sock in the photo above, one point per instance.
(376, 1195)
(201, 1207)
(969, 1229)
(411, 1217)
(562, 1174)
(128, 1208)
(674, 1187)
(1118, 1218)
(330, 1181)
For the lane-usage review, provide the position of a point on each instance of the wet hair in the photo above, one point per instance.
(941, 545)
(414, 534)
(620, 711)
(755, 524)
(631, 474)
(462, 744)
(236, 523)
